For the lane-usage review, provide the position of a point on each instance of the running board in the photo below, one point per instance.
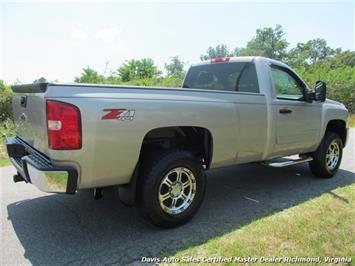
(286, 162)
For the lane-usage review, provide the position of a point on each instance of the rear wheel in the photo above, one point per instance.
(327, 158)
(171, 188)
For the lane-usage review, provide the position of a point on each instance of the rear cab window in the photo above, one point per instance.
(226, 76)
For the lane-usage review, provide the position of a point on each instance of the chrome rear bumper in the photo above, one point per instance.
(37, 169)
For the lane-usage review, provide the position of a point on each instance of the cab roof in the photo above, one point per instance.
(240, 59)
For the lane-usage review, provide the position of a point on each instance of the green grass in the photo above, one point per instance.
(320, 227)
(351, 120)
(4, 162)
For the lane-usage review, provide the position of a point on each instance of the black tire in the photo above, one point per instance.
(152, 174)
(318, 165)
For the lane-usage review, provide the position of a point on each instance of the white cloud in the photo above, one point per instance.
(80, 35)
(109, 36)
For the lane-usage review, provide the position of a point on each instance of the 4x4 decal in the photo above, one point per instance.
(119, 114)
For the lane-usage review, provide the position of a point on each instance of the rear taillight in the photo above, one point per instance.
(220, 59)
(63, 126)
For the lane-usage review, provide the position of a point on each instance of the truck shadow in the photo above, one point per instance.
(60, 229)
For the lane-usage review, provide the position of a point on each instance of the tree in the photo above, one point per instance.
(268, 42)
(343, 58)
(175, 68)
(4, 88)
(40, 80)
(220, 50)
(90, 75)
(128, 70)
(309, 53)
(240, 51)
(147, 69)
(5, 101)
(318, 50)
(138, 69)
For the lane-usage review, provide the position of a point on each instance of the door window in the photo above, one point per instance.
(287, 85)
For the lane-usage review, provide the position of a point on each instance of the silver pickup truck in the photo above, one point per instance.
(155, 144)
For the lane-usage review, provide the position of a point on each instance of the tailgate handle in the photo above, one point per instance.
(23, 101)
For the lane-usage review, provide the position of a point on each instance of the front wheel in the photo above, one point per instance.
(327, 158)
(171, 188)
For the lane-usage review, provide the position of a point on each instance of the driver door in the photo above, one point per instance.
(297, 122)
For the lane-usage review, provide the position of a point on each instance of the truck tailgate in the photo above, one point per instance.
(29, 114)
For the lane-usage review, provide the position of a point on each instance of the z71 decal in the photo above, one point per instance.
(119, 114)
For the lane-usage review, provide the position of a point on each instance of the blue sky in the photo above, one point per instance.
(57, 39)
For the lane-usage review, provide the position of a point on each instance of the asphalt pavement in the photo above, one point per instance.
(49, 229)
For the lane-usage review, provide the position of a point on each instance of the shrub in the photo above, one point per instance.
(340, 82)
(5, 101)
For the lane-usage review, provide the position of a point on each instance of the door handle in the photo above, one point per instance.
(285, 111)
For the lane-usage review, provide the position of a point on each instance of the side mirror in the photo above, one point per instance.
(320, 91)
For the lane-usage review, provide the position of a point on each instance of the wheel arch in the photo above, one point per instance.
(164, 138)
(337, 126)
(195, 139)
